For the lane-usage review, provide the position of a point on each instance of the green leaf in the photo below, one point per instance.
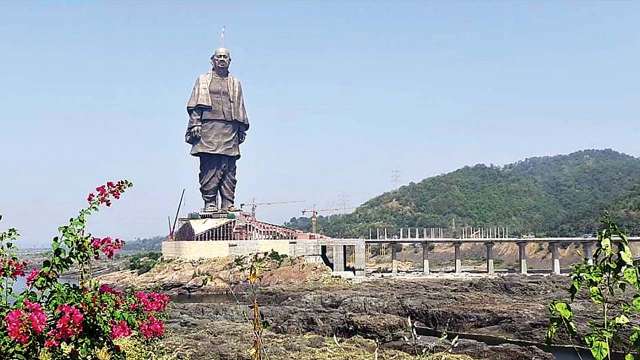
(626, 255)
(621, 320)
(636, 303)
(551, 332)
(600, 350)
(605, 244)
(628, 357)
(596, 295)
(563, 309)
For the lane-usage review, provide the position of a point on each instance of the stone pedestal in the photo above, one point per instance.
(522, 257)
(360, 259)
(555, 258)
(458, 257)
(394, 260)
(425, 258)
(490, 268)
(588, 252)
(339, 259)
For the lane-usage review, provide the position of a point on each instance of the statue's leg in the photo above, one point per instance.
(228, 183)
(210, 176)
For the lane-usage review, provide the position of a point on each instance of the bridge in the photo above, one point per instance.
(338, 248)
(209, 236)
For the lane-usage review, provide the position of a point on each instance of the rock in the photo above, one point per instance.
(298, 302)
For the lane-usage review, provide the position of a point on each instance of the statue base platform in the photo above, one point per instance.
(215, 214)
(221, 225)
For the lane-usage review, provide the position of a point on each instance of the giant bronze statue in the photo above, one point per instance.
(217, 126)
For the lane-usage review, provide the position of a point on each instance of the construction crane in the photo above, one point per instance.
(254, 205)
(314, 216)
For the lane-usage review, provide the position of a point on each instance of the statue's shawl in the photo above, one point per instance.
(200, 97)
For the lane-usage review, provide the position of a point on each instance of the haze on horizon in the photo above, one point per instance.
(339, 95)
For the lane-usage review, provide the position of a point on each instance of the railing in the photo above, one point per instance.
(360, 253)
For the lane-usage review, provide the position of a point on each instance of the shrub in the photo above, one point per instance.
(54, 320)
(144, 262)
(612, 284)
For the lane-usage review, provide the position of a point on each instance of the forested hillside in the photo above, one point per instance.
(556, 195)
(145, 245)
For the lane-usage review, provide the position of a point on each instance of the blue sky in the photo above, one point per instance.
(339, 94)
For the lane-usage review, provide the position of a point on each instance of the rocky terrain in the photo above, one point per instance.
(308, 314)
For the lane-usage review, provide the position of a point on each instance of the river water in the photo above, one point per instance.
(567, 354)
(21, 283)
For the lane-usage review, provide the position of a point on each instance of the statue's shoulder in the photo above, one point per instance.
(206, 77)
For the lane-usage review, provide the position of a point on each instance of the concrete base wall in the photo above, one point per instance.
(192, 250)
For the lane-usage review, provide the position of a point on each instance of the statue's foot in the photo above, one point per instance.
(228, 206)
(210, 207)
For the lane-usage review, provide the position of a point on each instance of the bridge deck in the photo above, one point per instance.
(339, 258)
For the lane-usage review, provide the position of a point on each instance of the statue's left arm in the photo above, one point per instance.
(241, 113)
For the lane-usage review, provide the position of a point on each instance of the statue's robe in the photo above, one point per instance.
(219, 134)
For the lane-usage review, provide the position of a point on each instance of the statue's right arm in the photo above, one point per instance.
(195, 125)
(195, 116)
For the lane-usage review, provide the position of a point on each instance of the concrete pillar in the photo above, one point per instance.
(394, 261)
(360, 252)
(522, 257)
(458, 257)
(588, 252)
(555, 258)
(490, 269)
(425, 258)
(339, 259)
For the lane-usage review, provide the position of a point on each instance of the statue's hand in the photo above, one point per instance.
(196, 131)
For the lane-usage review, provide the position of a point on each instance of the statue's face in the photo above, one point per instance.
(221, 60)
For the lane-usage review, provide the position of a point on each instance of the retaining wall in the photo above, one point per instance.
(193, 250)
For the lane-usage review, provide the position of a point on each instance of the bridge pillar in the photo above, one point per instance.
(361, 258)
(339, 259)
(490, 269)
(394, 260)
(458, 257)
(425, 258)
(522, 257)
(588, 252)
(555, 257)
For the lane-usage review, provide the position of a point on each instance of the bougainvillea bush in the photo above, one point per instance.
(51, 319)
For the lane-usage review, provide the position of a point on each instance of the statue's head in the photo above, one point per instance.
(221, 59)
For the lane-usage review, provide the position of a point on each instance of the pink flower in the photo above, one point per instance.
(49, 343)
(32, 276)
(152, 327)
(17, 327)
(152, 301)
(12, 267)
(107, 289)
(111, 189)
(20, 322)
(67, 326)
(120, 329)
(37, 317)
(107, 246)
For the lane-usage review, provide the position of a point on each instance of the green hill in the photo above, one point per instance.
(145, 245)
(553, 196)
